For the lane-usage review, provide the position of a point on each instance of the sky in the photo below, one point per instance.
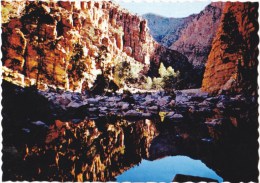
(166, 9)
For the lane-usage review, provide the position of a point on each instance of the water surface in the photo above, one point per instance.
(164, 170)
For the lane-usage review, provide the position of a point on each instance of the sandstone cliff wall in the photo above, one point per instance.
(232, 62)
(67, 44)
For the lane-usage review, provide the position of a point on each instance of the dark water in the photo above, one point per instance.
(107, 149)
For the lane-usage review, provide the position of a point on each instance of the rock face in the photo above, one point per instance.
(68, 44)
(64, 43)
(172, 27)
(232, 62)
(196, 39)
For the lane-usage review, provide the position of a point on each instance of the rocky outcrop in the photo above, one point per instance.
(196, 39)
(67, 44)
(172, 27)
(232, 62)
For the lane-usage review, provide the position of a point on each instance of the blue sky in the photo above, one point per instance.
(166, 9)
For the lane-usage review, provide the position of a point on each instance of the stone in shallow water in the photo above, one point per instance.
(26, 130)
(40, 123)
(208, 140)
(177, 116)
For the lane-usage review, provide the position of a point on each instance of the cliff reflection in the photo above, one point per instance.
(88, 151)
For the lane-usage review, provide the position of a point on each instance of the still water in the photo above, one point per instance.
(163, 170)
(116, 149)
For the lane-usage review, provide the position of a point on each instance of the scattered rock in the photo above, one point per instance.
(102, 108)
(92, 101)
(177, 116)
(172, 103)
(214, 122)
(153, 108)
(162, 101)
(146, 115)
(64, 101)
(40, 123)
(26, 130)
(169, 115)
(208, 140)
(125, 106)
(93, 109)
(148, 102)
(132, 113)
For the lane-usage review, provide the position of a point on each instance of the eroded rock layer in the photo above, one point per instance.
(67, 44)
(232, 62)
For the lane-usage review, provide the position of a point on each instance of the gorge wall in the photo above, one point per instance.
(196, 39)
(232, 62)
(192, 36)
(67, 44)
(64, 43)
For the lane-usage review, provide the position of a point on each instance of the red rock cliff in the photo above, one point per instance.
(195, 40)
(232, 62)
(62, 43)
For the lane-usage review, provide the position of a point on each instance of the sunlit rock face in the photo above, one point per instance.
(196, 39)
(191, 36)
(232, 62)
(61, 43)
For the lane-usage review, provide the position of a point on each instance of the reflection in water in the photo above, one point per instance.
(163, 170)
(87, 151)
(102, 149)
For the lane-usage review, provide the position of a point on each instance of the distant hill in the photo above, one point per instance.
(166, 30)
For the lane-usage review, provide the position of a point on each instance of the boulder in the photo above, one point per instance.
(169, 116)
(132, 113)
(153, 108)
(177, 116)
(125, 106)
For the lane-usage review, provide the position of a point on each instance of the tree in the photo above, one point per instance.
(162, 70)
(149, 83)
